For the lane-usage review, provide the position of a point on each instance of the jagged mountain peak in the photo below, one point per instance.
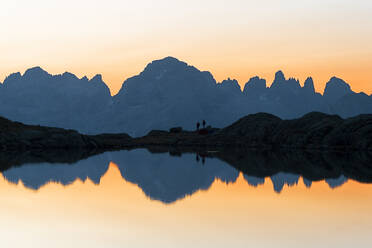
(230, 81)
(168, 76)
(255, 84)
(36, 73)
(98, 82)
(281, 84)
(279, 76)
(69, 75)
(278, 80)
(335, 89)
(168, 59)
(293, 79)
(294, 82)
(168, 69)
(231, 84)
(12, 78)
(96, 78)
(337, 82)
(309, 83)
(85, 78)
(167, 63)
(257, 81)
(309, 80)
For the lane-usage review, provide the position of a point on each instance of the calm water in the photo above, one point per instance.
(140, 199)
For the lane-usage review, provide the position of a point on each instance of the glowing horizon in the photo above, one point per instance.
(239, 39)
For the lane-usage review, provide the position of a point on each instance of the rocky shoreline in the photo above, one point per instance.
(314, 131)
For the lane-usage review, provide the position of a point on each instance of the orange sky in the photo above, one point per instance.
(237, 39)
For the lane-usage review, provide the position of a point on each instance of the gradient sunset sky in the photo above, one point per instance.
(236, 38)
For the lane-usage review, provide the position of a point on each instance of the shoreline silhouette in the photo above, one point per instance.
(313, 131)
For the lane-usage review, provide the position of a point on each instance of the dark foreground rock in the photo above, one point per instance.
(17, 136)
(314, 131)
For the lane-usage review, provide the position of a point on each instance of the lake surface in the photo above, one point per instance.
(143, 199)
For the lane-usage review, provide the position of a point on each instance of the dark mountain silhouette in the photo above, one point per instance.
(335, 89)
(167, 93)
(230, 87)
(309, 86)
(352, 104)
(66, 101)
(255, 88)
(170, 93)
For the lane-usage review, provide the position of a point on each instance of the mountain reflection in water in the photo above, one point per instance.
(170, 178)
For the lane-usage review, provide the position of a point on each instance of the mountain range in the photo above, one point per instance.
(165, 94)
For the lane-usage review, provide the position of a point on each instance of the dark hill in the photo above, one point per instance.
(312, 131)
(264, 131)
(17, 136)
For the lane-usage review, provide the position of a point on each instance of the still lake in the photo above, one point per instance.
(142, 199)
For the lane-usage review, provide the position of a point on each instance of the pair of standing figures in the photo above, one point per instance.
(198, 125)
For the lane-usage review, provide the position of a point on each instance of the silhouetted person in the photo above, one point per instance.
(197, 158)
(203, 160)
(204, 123)
(197, 126)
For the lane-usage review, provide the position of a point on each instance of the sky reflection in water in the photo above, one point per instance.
(140, 199)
